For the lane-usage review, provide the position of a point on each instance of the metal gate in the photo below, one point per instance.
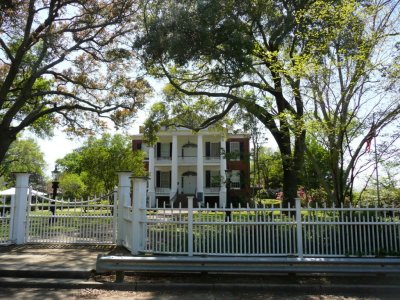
(71, 221)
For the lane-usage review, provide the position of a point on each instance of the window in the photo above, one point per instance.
(164, 150)
(213, 178)
(234, 149)
(215, 149)
(163, 179)
(235, 179)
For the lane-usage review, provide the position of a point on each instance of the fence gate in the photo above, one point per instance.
(71, 221)
(6, 221)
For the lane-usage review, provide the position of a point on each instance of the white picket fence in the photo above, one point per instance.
(272, 231)
(243, 231)
(74, 221)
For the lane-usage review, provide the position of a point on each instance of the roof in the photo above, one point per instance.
(11, 192)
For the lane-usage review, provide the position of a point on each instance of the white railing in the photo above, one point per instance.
(91, 222)
(272, 231)
(187, 159)
(210, 190)
(160, 190)
(6, 221)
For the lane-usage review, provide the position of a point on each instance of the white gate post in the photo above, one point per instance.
(20, 211)
(139, 214)
(299, 228)
(124, 199)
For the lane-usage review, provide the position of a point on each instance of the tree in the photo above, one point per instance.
(98, 160)
(65, 63)
(271, 58)
(236, 54)
(24, 156)
(72, 186)
(352, 66)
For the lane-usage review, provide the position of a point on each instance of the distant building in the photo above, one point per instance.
(184, 163)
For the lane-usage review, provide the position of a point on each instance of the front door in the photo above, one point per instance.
(189, 184)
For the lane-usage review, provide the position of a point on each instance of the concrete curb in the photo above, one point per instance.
(60, 283)
(42, 273)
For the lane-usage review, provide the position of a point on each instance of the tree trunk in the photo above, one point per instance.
(6, 139)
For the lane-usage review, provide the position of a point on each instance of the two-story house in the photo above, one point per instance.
(186, 163)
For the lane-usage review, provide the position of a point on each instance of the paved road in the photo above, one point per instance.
(208, 294)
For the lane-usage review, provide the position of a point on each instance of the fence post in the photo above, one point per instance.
(190, 225)
(139, 213)
(124, 199)
(115, 214)
(299, 228)
(20, 202)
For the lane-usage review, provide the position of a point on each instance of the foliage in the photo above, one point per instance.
(237, 56)
(347, 82)
(99, 159)
(66, 63)
(294, 65)
(24, 156)
(72, 186)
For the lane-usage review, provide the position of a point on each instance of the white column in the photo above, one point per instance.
(200, 167)
(152, 178)
(20, 202)
(139, 214)
(222, 168)
(174, 166)
(124, 201)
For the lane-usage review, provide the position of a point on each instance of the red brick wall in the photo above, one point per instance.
(242, 165)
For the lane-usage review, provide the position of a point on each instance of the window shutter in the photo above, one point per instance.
(170, 149)
(158, 149)
(228, 147)
(241, 145)
(139, 146)
(170, 177)
(242, 179)
(208, 178)
(158, 179)
(208, 149)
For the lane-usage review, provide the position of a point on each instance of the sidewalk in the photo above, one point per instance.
(66, 261)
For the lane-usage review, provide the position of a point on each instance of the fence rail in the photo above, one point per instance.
(272, 231)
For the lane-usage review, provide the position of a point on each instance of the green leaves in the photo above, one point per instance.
(97, 162)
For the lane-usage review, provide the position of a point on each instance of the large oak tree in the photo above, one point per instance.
(263, 57)
(65, 63)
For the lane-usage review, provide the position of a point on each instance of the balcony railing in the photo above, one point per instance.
(212, 190)
(161, 190)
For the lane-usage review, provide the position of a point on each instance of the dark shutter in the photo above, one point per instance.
(208, 149)
(139, 146)
(208, 178)
(170, 178)
(242, 179)
(227, 150)
(170, 149)
(158, 149)
(241, 145)
(158, 178)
